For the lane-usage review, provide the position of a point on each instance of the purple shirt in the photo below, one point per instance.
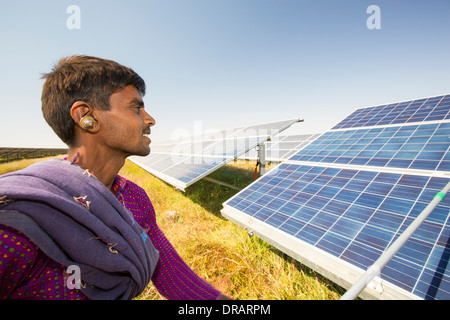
(27, 273)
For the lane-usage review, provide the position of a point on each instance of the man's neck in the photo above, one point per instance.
(102, 165)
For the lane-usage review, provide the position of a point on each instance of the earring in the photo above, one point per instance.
(87, 122)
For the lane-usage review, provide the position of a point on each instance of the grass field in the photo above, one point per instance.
(15, 154)
(242, 267)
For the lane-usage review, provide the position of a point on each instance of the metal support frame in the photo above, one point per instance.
(262, 158)
(375, 269)
(222, 183)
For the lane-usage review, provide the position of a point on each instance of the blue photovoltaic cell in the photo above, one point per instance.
(424, 146)
(355, 215)
(193, 167)
(421, 110)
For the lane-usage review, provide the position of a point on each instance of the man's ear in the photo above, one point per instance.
(82, 114)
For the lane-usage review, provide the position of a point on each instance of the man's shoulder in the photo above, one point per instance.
(130, 187)
(135, 198)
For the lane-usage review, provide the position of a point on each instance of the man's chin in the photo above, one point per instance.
(142, 153)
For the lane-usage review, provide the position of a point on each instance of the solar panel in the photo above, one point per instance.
(182, 163)
(282, 147)
(419, 146)
(339, 202)
(420, 110)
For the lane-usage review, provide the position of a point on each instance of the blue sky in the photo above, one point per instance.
(229, 63)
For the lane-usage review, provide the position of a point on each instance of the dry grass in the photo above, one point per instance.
(240, 266)
(19, 164)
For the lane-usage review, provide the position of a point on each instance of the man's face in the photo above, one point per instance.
(125, 127)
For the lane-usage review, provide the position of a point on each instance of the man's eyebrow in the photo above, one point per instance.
(136, 101)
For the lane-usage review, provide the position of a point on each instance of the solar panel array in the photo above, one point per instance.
(420, 110)
(338, 203)
(182, 163)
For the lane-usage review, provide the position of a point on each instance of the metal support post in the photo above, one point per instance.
(262, 158)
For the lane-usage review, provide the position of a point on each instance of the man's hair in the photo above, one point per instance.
(82, 78)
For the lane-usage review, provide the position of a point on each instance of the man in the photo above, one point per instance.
(78, 211)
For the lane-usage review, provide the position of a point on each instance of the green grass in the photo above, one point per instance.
(221, 252)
